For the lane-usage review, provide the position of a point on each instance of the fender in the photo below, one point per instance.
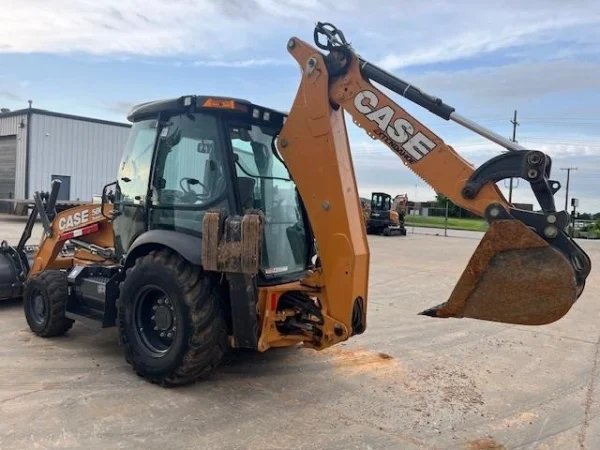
(190, 247)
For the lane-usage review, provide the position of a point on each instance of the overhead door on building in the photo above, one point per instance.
(8, 162)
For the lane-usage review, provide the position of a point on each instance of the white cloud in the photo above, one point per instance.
(429, 32)
(470, 29)
(521, 80)
(244, 63)
(8, 95)
(477, 42)
(12, 91)
(154, 27)
(121, 108)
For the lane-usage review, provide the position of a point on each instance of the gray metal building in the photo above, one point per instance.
(37, 146)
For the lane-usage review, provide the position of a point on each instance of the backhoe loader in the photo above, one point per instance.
(235, 225)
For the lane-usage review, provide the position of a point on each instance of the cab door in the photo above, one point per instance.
(131, 193)
(190, 173)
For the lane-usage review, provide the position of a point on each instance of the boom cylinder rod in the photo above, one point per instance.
(430, 102)
(488, 134)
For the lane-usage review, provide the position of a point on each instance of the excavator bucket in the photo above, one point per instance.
(515, 277)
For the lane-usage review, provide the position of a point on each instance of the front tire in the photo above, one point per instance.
(44, 302)
(171, 324)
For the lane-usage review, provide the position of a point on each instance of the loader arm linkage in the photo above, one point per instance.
(89, 232)
(86, 227)
(526, 270)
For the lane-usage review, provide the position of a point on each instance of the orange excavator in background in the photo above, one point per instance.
(400, 204)
(207, 238)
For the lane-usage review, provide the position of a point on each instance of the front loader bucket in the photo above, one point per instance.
(515, 277)
(12, 272)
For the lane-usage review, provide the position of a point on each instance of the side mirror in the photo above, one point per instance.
(108, 197)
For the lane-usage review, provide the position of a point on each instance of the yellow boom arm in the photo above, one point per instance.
(526, 269)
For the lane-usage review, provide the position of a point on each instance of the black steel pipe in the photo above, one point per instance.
(431, 103)
(27, 230)
(51, 204)
(401, 87)
(43, 215)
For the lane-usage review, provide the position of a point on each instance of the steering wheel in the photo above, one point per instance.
(191, 181)
(171, 196)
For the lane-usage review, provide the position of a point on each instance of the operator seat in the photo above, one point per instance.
(246, 189)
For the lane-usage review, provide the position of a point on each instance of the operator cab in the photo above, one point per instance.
(380, 201)
(190, 155)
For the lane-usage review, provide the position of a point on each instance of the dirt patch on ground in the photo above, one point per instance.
(484, 444)
(442, 397)
(364, 362)
(457, 389)
(438, 399)
(518, 420)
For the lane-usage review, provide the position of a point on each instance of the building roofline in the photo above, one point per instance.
(43, 112)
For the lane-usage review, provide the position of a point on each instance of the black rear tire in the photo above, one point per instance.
(44, 303)
(171, 322)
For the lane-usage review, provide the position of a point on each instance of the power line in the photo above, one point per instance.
(561, 119)
(559, 140)
(568, 169)
(514, 139)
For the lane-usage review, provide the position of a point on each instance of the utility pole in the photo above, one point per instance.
(514, 139)
(568, 169)
(446, 219)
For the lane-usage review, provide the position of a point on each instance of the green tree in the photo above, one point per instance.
(453, 209)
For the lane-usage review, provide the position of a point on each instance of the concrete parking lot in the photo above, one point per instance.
(410, 382)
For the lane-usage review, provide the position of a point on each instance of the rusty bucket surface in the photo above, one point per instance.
(515, 277)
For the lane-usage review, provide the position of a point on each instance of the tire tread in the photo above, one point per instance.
(207, 341)
(55, 284)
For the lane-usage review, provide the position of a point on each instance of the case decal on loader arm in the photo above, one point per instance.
(397, 133)
(84, 225)
(78, 218)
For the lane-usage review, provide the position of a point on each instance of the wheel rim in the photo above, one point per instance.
(155, 322)
(37, 307)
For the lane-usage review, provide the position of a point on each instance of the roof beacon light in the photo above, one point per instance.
(224, 103)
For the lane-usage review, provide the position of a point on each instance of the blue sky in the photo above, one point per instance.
(484, 58)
